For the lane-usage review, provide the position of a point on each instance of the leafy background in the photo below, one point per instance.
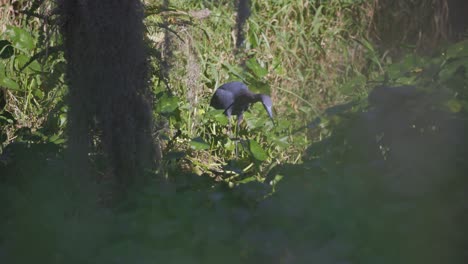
(350, 174)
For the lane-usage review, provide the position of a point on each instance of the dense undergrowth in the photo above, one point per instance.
(376, 178)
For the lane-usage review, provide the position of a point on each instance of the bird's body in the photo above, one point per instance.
(235, 98)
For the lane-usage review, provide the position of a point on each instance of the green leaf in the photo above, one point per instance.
(6, 50)
(257, 151)
(253, 65)
(247, 180)
(38, 93)
(229, 145)
(218, 115)
(278, 178)
(63, 119)
(20, 38)
(281, 142)
(167, 104)
(199, 144)
(56, 139)
(23, 59)
(9, 83)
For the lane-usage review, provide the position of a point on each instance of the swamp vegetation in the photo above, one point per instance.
(110, 152)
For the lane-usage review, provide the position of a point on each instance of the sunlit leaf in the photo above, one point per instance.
(257, 150)
(248, 179)
(278, 178)
(230, 145)
(9, 83)
(23, 59)
(56, 139)
(167, 104)
(63, 119)
(20, 38)
(39, 93)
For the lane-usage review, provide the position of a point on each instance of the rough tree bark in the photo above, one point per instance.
(108, 88)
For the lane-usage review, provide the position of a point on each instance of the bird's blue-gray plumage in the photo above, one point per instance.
(235, 98)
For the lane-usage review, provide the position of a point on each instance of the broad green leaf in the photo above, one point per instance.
(199, 144)
(38, 93)
(222, 119)
(9, 83)
(23, 59)
(20, 38)
(218, 115)
(257, 151)
(167, 104)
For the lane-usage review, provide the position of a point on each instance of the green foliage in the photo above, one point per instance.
(34, 86)
(296, 191)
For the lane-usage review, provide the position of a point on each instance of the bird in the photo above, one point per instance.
(235, 98)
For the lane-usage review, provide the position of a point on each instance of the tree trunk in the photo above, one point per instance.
(108, 87)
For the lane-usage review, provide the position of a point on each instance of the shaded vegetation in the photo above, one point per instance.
(367, 162)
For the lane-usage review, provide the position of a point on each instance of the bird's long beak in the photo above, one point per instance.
(270, 113)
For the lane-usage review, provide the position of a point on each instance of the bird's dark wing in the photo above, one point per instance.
(234, 87)
(233, 97)
(222, 99)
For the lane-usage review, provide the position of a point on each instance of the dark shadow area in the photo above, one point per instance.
(388, 186)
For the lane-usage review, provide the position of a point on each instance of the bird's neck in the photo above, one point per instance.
(256, 97)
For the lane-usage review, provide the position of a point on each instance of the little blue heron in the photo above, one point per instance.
(235, 98)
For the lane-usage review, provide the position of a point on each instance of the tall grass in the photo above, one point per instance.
(307, 49)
